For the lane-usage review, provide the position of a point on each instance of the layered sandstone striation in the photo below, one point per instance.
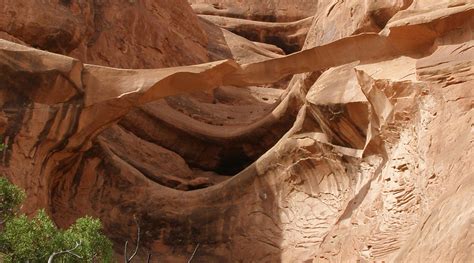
(357, 147)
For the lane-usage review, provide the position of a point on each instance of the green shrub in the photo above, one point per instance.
(93, 245)
(10, 199)
(2, 145)
(38, 239)
(33, 240)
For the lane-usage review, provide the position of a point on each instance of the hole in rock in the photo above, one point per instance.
(66, 2)
(280, 42)
(209, 137)
(217, 6)
(234, 162)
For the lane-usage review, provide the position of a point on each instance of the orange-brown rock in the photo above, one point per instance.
(127, 34)
(281, 23)
(365, 154)
(289, 36)
(268, 10)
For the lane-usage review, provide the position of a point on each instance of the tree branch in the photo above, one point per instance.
(194, 253)
(125, 252)
(69, 251)
(127, 259)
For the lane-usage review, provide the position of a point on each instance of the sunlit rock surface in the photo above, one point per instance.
(358, 147)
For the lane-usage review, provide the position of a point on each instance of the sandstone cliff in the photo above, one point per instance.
(285, 131)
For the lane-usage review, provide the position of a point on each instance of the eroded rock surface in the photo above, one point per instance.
(359, 147)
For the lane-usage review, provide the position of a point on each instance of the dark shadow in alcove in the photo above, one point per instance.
(223, 155)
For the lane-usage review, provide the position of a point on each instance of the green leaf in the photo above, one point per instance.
(35, 240)
(10, 199)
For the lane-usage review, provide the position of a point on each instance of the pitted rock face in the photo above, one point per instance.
(357, 148)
